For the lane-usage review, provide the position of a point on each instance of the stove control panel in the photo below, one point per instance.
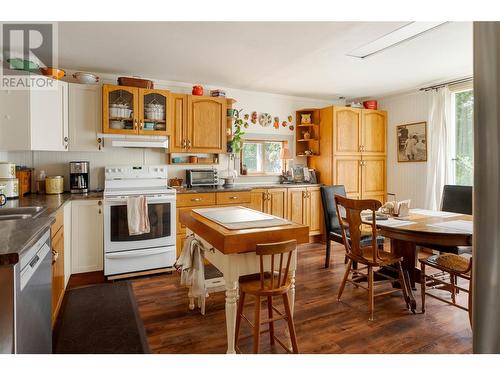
(135, 172)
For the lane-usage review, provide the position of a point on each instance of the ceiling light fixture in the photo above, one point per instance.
(404, 33)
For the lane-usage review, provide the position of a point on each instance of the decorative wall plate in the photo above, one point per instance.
(265, 119)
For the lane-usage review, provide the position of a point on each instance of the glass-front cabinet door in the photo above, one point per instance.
(120, 109)
(153, 111)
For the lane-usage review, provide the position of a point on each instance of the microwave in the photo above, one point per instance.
(202, 177)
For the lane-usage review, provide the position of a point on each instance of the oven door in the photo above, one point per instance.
(161, 212)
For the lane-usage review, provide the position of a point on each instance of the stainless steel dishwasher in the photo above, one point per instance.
(33, 303)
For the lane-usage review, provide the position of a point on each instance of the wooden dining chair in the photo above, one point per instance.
(370, 255)
(332, 226)
(457, 267)
(270, 282)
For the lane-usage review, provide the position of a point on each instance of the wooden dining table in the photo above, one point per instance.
(424, 228)
(232, 251)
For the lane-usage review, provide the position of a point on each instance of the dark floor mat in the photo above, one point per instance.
(100, 319)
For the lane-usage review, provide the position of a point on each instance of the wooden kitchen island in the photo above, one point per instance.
(232, 251)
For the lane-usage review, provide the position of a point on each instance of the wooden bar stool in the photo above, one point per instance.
(454, 265)
(269, 283)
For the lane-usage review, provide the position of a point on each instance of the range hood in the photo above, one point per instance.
(138, 141)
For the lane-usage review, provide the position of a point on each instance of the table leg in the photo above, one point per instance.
(231, 297)
(407, 250)
(292, 293)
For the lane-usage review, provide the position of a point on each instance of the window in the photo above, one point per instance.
(261, 157)
(463, 136)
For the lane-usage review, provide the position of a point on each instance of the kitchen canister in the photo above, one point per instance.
(7, 170)
(11, 187)
(54, 185)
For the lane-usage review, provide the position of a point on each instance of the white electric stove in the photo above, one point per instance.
(125, 253)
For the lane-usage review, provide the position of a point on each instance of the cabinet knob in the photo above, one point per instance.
(196, 199)
(135, 124)
(66, 139)
(141, 125)
(233, 197)
(189, 144)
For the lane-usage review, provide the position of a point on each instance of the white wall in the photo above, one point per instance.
(407, 180)
(56, 163)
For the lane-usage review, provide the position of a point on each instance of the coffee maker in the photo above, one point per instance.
(79, 178)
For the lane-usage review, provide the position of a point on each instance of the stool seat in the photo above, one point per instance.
(251, 284)
(449, 262)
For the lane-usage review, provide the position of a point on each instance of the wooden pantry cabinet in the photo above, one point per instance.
(135, 111)
(353, 151)
(198, 124)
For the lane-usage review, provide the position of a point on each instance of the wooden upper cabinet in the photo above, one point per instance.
(153, 112)
(206, 124)
(347, 130)
(373, 132)
(132, 110)
(120, 109)
(178, 122)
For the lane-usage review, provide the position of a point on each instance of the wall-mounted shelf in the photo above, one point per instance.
(183, 159)
(312, 143)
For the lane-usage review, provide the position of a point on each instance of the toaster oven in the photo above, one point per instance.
(202, 177)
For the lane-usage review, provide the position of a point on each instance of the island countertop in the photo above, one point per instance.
(229, 241)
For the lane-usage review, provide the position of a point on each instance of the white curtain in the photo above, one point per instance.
(439, 164)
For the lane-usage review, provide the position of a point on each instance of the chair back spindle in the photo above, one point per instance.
(278, 277)
(351, 223)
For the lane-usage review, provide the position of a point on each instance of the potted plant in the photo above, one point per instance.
(235, 144)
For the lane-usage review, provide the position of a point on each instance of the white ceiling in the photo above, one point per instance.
(295, 58)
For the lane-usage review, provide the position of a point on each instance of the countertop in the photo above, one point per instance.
(18, 235)
(238, 187)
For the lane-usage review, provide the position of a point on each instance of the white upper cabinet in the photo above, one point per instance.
(84, 117)
(35, 119)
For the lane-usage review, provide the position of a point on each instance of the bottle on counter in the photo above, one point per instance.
(40, 182)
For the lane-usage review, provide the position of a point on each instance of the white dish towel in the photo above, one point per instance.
(137, 215)
(191, 265)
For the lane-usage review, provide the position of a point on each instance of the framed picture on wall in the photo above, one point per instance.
(412, 142)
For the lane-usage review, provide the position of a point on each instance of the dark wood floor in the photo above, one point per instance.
(323, 324)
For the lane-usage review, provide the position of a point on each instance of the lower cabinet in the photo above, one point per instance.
(58, 285)
(304, 207)
(87, 238)
(270, 201)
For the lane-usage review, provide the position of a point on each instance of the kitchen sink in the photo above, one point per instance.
(17, 213)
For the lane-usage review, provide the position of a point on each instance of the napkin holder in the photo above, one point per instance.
(397, 209)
